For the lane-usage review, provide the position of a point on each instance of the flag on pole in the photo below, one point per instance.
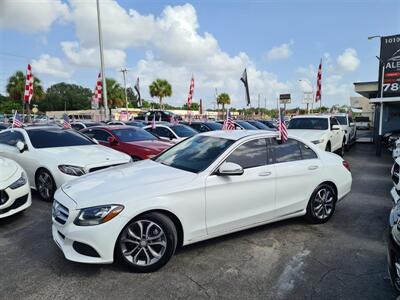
(17, 121)
(66, 124)
(246, 86)
(98, 91)
(153, 122)
(228, 123)
(319, 80)
(28, 94)
(282, 127)
(137, 89)
(191, 92)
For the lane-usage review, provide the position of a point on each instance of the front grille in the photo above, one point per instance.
(101, 168)
(17, 203)
(60, 212)
(3, 197)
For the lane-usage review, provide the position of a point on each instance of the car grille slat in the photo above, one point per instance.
(60, 213)
(101, 168)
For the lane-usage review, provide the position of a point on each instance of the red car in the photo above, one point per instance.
(134, 141)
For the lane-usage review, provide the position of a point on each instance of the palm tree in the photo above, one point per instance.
(16, 87)
(160, 88)
(223, 99)
(115, 94)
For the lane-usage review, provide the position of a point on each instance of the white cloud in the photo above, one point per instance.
(90, 57)
(283, 51)
(175, 49)
(31, 16)
(47, 65)
(348, 60)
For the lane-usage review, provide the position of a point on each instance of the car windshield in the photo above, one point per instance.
(136, 124)
(259, 125)
(246, 125)
(309, 123)
(133, 135)
(195, 154)
(183, 130)
(214, 125)
(342, 120)
(51, 138)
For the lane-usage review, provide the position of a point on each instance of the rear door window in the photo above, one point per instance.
(250, 154)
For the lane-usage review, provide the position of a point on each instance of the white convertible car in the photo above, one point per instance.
(15, 193)
(52, 156)
(209, 185)
(321, 130)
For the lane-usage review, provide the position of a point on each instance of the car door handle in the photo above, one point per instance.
(313, 167)
(264, 174)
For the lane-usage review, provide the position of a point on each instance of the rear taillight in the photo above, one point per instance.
(346, 165)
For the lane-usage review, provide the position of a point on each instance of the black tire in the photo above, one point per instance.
(312, 216)
(45, 189)
(342, 149)
(169, 237)
(328, 147)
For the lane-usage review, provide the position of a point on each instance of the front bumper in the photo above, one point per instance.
(19, 200)
(100, 239)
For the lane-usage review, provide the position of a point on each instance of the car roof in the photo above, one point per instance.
(239, 134)
(111, 127)
(311, 116)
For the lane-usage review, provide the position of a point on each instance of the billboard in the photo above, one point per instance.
(390, 61)
(284, 98)
(308, 97)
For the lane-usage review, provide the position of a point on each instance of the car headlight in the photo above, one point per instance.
(97, 215)
(72, 170)
(316, 142)
(20, 182)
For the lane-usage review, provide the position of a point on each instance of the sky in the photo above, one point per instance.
(278, 42)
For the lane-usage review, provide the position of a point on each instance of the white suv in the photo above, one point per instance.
(322, 130)
(349, 127)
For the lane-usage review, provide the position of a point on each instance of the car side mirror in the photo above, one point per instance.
(112, 140)
(230, 169)
(21, 146)
(335, 127)
(351, 124)
(96, 141)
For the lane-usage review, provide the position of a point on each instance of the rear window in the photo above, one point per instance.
(50, 138)
(183, 130)
(133, 135)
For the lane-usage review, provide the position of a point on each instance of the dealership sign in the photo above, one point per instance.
(308, 97)
(390, 61)
(284, 98)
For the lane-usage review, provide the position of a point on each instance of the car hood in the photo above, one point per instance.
(8, 168)
(154, 146)
(307, 134)
(130, 182)
(85, 156)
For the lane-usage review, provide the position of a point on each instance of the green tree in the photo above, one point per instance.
(223, 99)
(194, 106)
(160, 88)
(7, 105)
(16, 87)
(70, 96)
(115, 94)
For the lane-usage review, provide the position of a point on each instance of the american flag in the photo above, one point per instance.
(228, 123)
(319, 79)
(137, 89)
(191, 92)
(282, 127)
(98, 90)
(17, 122)
(66, 124)
(153, 122)
(28, 94)
(190, 118)
(173, 120)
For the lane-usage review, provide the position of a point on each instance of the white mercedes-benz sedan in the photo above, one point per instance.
(209, 185)
(15, 194)
(52, 156)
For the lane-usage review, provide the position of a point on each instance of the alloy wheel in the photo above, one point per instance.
(323, 203)
(45, 185)
(143, 243)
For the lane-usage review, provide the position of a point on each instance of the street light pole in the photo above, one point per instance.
(104, 88)
(124, 71)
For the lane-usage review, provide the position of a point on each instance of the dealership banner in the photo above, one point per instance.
(390, 60)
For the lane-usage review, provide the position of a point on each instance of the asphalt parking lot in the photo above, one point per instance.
(343, 259)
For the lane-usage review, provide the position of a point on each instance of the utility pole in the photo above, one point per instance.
(104, 88)
(124, 71)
